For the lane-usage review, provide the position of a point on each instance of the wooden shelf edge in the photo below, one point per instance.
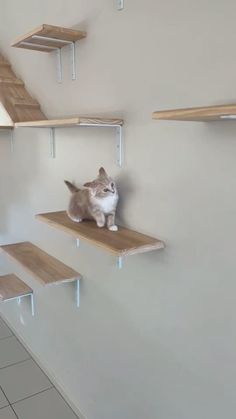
(154, 244)
(201, 114)
(70, 122)
(12, 287)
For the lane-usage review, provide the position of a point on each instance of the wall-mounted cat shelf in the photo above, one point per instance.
(120, 4)
(200, 114)
(13, 288)
(45, 268)
(121, 243)
(48, 38)
(80, 122)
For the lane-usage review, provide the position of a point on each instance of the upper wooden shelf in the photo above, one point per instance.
(47, 269)
(47, 38)
(207, 113)
(123, 242)
(71, 122)
(13, 287)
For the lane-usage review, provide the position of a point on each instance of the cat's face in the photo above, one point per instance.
(103, 186)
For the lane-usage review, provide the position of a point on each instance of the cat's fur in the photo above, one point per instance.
(98, 201)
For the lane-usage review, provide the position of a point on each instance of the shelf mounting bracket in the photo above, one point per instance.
(59, 65)
(18, 299)
(120, 4)
(52, 143)
(77, 293)
(120, 262)
(119, 145)
(73, 61)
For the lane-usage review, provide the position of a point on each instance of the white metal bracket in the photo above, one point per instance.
(120, 262)
(52, 143)
(31, 295)
(119, 145)
(77, 242)
(59, 65)
(61, 43)
(12, 140)
(77, 292)
(120, 4)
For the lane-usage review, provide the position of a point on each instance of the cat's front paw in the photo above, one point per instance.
(100, 224)
(113, 228)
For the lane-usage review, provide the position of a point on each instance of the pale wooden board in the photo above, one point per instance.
(207, 113)
(40, 264)
(11, 80)
(70, 122)
(121, 243)
(49, 31)
(12, 287)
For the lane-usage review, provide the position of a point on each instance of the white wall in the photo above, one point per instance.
(156, 339)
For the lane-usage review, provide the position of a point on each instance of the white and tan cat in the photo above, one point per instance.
(97, 201)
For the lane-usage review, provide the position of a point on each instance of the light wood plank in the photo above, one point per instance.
(70, 122)
(24, 103)
(11, 81)
(48, 31)
(124, 242)
(12, 287)
(206, 113)
(47, 269)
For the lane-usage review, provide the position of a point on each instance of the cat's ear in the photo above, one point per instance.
(102, 172)
(90, 185)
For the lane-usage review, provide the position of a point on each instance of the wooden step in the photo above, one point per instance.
(46, 38)
(24, 103)
(71, 122)
(13, 287)
(11, 81)
(4, 63)
(201, 114)
(47, 269)
(123, 242)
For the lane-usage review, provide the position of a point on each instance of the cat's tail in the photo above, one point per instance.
(72, 188)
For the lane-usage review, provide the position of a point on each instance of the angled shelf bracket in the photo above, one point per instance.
(49, 38)
(13, 288)
(120, 4)
(80, 122)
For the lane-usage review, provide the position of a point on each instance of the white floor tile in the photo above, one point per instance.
(7, 413)
(4, 330)
(48, 405)
(23, 380)
(11, 351)
(3, 400)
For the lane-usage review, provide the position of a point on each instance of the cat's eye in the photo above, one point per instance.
(112, 185)
(105, 190)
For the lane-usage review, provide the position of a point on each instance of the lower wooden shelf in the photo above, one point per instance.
(44, 267)
(12, 288)
(123, 242)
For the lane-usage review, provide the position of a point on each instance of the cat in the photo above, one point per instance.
(98, 201)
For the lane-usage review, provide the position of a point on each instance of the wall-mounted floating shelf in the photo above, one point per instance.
(45, 268)
(81, 122)
(123, 242)
(13, 288)
(199, 114)
(48, 38)
(120, 4)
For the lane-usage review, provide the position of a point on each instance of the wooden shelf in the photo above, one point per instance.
(47, 38)
(201, 114)
(11, 81)
(47, 269)
(13, 287)
(71, 122)
(124, 242)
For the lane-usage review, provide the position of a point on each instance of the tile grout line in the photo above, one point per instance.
(30, 357)
(9, 403)
(32, 395)
(15, 363)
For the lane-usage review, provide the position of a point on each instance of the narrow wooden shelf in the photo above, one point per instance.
(13, 287)
(11, 81)
(71, 122)
(47, 269)
(201, 114)
(47, 38)
(124, 242)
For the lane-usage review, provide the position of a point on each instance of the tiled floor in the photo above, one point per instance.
(25, 391)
